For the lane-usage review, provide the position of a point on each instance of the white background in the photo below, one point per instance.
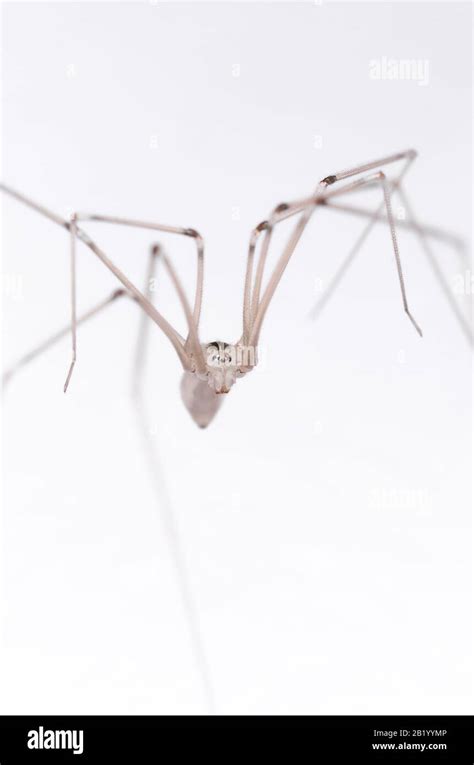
(309, 552)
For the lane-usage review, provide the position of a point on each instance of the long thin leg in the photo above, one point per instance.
(424, 232)
(289, 210)
(77, 321)
(50, 341)
(280, 213)
(426, 247)
(431, 232)
(189, 232)
(284, 211)
(281, 265)
(72, 230)
(380, 178)
(145, 304)
(388, 205)
(192, 344)
(344, 174)
(373, 218)
(143, 333)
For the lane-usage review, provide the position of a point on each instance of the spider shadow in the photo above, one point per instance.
(170, 526)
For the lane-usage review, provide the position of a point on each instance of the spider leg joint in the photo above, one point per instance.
(192, 232)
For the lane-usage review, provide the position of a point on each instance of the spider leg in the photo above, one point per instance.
(45, 345)
(380, 178)
(252, 293)
(425, 234)
(426, 247)
(50, 341)
(145, 304)
(430, 232)
(409, 155)
(73, 233)
(254, 307)
(388, 205)
(188, 232)
(192, 345)
(142, 337)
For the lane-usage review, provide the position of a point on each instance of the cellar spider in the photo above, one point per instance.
(211, 369)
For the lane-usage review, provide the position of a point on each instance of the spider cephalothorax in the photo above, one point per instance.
(221, 365)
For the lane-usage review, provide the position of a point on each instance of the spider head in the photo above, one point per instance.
(221, 366)
(199, 390)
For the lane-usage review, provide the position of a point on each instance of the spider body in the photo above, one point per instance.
(202, 390)
(211, 369)
(199, 398)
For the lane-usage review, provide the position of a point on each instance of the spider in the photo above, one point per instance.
(211, 369)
